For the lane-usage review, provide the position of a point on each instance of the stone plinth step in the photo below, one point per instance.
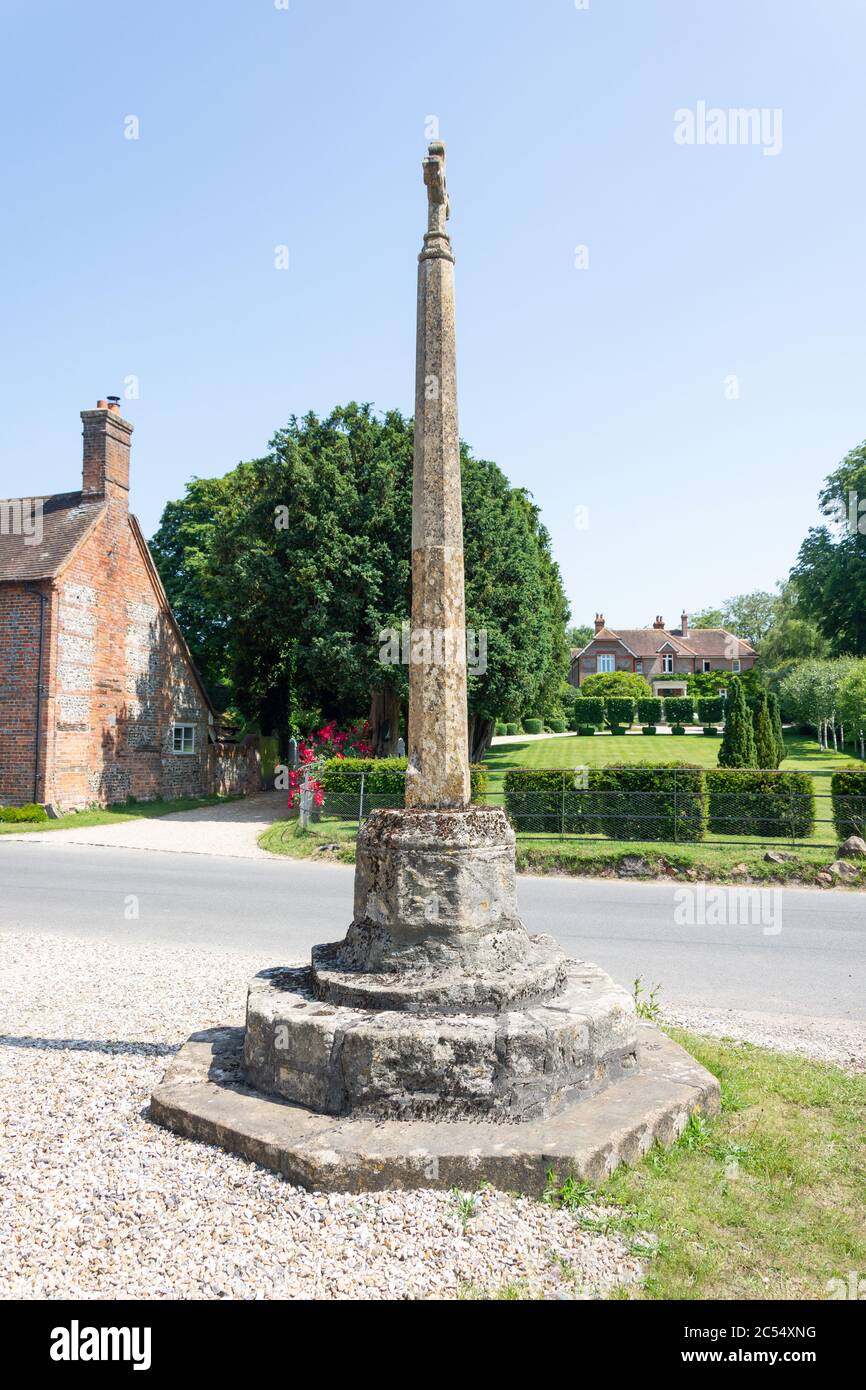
(204, 1096)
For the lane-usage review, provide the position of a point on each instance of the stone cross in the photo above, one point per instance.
(438, 770)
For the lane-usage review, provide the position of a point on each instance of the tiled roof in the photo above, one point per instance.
(648, 641)
(66, 519)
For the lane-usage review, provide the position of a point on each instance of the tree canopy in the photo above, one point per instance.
(285, 573)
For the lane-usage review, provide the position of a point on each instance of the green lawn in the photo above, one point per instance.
(109, 815)
(768, 1201)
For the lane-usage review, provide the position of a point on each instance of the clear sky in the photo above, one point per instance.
(604, 388)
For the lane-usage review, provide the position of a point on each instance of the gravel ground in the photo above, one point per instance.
(96, 1202)
(841, 1041)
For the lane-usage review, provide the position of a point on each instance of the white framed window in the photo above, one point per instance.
(706, 666)
(667, 663)
(736, 664)
(638, 666)
(606, 662)
(183, 738)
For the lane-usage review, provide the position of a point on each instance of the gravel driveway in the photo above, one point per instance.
(97, 1202)
(228, 830)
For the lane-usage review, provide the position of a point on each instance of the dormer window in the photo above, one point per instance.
(667, 663)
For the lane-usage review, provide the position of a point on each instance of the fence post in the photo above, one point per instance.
(361, 799)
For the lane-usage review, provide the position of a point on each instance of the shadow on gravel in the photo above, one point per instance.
(108, 1045)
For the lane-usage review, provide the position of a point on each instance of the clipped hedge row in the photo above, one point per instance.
(747, 801)
(679, 709)
(649, 711)
(848, 790)
(384, 780)
(588, 711)
(711, 709)
(640, 801)
(533, 726)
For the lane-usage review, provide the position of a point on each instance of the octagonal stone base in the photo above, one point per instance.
(511, 1065)
(204, 1095)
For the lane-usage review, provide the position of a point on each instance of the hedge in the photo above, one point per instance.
(545, 800)
(589, 710)
(848, 790)
(384, 782)
(649, 711)
(512, 728)
(499, 730)
(17, 815)
(556, 726)
(679, 709)
(711, 709)
(748, 801)
(533, 726)
(652, 801)
(619, 709)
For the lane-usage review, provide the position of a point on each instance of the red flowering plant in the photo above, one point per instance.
(327, 742)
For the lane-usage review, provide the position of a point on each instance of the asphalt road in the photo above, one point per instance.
(814, 965)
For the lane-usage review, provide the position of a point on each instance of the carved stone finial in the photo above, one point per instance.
(434, 177)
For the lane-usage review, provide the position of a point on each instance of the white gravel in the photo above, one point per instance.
(96, 1202)
(839, 1041)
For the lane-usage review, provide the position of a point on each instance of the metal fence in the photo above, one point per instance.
(670, 815)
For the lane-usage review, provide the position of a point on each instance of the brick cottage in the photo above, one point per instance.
(99, 697)
(665, 657)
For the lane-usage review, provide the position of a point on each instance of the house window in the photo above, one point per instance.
(183, 738)
(736, 664)
(667, 663)
(706, 666)
(638, 666)
(605, 663)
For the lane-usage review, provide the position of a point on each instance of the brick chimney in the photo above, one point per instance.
(106, 452)
(684, 625)
(659, 624)
(599, 622)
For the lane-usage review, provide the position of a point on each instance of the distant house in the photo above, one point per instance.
(663, 656)
(99, 697)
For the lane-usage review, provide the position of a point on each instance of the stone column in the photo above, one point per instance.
(438, 771)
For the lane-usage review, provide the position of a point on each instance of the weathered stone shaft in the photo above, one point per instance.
(438, 772)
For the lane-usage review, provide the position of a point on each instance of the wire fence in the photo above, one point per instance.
(678, 811)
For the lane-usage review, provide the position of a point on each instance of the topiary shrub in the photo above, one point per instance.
(679, 709)
(711, 709)
(750, 801)
(848, 790)
(617, 729)
(512, 728)
(619, 709)
(589, 713)
(738, 740)
(587, 730)
(556, 726)
(652, 801)
(546, 801)
(499, 730)
(533, 726)
(649, 729)
(711, 731)
(677, 729)
(649, 711)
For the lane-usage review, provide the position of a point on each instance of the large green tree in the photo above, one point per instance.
(830, 573)
(286, 573)
(738, 740)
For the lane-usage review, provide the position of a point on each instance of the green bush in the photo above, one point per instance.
(679, 709)
(711, 731)
(546, 801)
(677, 729)
(649, 729)
(384, 783)
(848, 790)
(18, 815)
(649, 711)
(738, 741)
(587, 730)
(652, 801)
(590, 711)
(556, 726)
(533, 726)
(499, 729)
(711, 709)
(748, 801)
(619, 709)
(617, 729)
(512, 728)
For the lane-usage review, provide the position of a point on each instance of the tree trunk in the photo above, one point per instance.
(480, 737)
(384, 721)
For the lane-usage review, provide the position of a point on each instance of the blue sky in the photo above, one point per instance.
(602, 388)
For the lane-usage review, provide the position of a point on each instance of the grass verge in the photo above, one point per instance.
(767, 1201)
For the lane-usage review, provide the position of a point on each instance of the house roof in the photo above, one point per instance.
(66, 519)
(649, 641)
